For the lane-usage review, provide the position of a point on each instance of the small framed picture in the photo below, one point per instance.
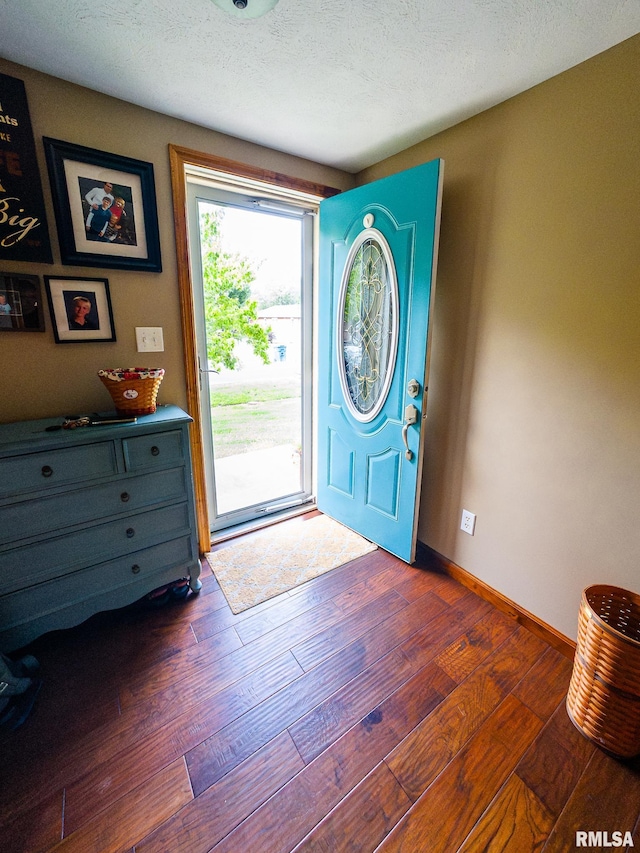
(20, 303)
(80, 310)
(105, 208)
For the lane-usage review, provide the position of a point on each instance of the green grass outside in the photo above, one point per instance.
(255, 417)
(230, 395)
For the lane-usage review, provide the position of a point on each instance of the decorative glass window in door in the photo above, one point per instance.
(368, 309)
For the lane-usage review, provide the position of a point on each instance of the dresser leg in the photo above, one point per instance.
(194, 579)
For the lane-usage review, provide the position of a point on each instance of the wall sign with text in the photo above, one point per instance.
(24, 235)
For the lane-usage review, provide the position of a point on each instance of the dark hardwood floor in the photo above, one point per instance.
(378, 707)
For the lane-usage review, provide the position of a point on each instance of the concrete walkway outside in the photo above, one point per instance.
(256, 476)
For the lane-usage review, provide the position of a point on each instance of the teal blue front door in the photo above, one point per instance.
(378, 248)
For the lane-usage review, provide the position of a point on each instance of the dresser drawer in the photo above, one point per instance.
(56, 595)
(31, 518)
(51, 468)
(162, 450)
(57, 556)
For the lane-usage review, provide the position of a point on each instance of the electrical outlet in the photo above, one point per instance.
(468, 523)
(149, 339)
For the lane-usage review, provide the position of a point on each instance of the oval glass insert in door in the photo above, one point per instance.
(368, 312)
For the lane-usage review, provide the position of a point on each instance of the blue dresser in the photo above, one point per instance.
(91, 519)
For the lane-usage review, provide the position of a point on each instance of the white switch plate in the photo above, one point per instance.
(149, 339)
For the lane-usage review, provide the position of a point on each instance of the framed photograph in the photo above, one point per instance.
(80, 310)
(20, 303)
(105, 208)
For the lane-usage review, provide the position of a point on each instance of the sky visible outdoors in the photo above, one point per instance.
(271, 243)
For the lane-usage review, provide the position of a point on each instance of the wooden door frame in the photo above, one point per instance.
(180, 159)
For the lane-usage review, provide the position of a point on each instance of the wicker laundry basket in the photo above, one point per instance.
(133, 389)
(604, 694)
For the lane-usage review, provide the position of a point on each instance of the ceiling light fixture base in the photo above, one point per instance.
(246, 8)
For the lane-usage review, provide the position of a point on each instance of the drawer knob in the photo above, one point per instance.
(124, 497)
(135, 569)
(155, 451)
(130, 533)
(47, 470)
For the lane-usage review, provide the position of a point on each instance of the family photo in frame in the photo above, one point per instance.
(105, 208)
(80, 309)
(21, 307)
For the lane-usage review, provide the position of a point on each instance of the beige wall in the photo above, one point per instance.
(534, 409)
(40, 378)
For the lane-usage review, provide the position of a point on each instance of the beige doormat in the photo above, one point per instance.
(282, 557)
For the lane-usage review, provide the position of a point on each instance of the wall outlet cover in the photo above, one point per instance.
(468, 522)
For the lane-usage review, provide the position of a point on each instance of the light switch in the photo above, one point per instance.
(149, 339)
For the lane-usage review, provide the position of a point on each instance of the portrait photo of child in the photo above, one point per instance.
(80, 309)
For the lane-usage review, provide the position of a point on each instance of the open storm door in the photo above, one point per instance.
(378, 249)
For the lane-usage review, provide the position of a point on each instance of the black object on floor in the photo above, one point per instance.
(19, 688)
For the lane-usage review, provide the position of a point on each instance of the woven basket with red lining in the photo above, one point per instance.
(133, 389)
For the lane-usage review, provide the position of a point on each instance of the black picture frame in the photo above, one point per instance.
(21, 294)
(87, 236)
(88, 297)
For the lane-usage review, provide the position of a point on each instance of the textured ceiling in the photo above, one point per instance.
(340, 82)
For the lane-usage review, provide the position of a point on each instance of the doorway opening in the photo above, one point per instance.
(251, 257)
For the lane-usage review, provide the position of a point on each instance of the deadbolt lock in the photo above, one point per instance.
(413, 388)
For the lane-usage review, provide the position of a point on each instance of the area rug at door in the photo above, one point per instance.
(282, 557)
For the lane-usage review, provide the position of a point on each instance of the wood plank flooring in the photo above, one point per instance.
(380, 707)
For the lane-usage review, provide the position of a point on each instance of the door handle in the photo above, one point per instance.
(410, 417)
(202, 370)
